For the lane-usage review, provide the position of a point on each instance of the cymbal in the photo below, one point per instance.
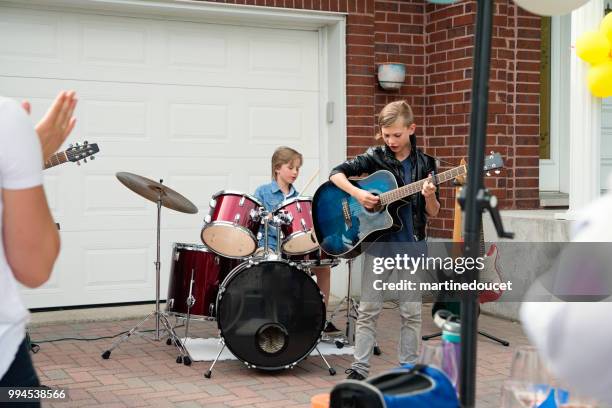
(150, 190)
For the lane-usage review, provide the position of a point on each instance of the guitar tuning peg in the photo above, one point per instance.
(92, 157)
(77, 144)
(85, 143)
(497, 171)
(488, 174)
(78, 163)
(85, 160)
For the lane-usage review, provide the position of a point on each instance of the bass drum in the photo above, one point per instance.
(271, 314)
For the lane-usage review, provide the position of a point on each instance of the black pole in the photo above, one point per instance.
(473, 211)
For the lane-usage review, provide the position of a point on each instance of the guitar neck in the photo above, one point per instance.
(413, 188)
(56, 159)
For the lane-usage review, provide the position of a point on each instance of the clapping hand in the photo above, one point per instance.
(57, 123)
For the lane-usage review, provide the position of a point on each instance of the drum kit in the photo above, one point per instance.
(270, 313)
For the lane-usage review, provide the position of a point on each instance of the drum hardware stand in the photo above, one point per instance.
(208, 373)
(276, 221)
(332, 370)
(352, 311)
(266, 220)
(156, 314)
(281, 219)
(185, 358)
(348, 338)
(190, 302)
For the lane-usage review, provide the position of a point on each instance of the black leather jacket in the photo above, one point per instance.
(382, 158)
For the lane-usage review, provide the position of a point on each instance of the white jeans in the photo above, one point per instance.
(369, 310)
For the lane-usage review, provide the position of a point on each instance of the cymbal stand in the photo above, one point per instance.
(156, 314)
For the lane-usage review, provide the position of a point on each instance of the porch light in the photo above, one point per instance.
(391, 76)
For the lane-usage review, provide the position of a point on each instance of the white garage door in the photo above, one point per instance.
(201, 106)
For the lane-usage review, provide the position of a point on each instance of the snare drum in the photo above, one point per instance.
(194, 280)
(314, 259)
(298, 234)
(231, 226)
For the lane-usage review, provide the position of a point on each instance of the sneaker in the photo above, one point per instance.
(353, 375)
(330, 328)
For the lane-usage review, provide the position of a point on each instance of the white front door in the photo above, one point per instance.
(553, 171)
(606, 135)
(554, 174)
(201, 106)
(606, 143)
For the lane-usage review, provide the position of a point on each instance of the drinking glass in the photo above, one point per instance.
(518, 394)
(529, 383)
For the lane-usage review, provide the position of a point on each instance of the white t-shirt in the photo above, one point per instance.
(20, 168)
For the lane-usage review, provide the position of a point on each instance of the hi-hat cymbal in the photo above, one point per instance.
(150, 190)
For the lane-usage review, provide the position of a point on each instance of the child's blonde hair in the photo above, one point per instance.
(392, 112)
(283, 155)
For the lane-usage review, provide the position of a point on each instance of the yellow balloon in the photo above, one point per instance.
(599, 79)
(593, 47)
(606, 27)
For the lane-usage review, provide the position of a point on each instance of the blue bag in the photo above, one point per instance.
(407, 386)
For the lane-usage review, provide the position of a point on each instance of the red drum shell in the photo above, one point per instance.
(298, 236)
(209, 270)
(230, 229)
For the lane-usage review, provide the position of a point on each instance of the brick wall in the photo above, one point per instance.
(513, 99)
(436, 45)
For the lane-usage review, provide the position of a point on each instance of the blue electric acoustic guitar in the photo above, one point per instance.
(342, 225)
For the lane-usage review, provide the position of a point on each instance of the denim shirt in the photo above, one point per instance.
(271, 196)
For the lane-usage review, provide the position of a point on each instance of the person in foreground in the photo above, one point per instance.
(29, 241)
(573, 338)
(400, 156)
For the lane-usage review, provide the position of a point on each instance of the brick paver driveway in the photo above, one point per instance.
(141, 373)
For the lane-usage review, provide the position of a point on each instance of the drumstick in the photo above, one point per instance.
(316, 173)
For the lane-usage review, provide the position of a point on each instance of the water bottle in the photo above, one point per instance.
(451, 343)
(451, 348)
